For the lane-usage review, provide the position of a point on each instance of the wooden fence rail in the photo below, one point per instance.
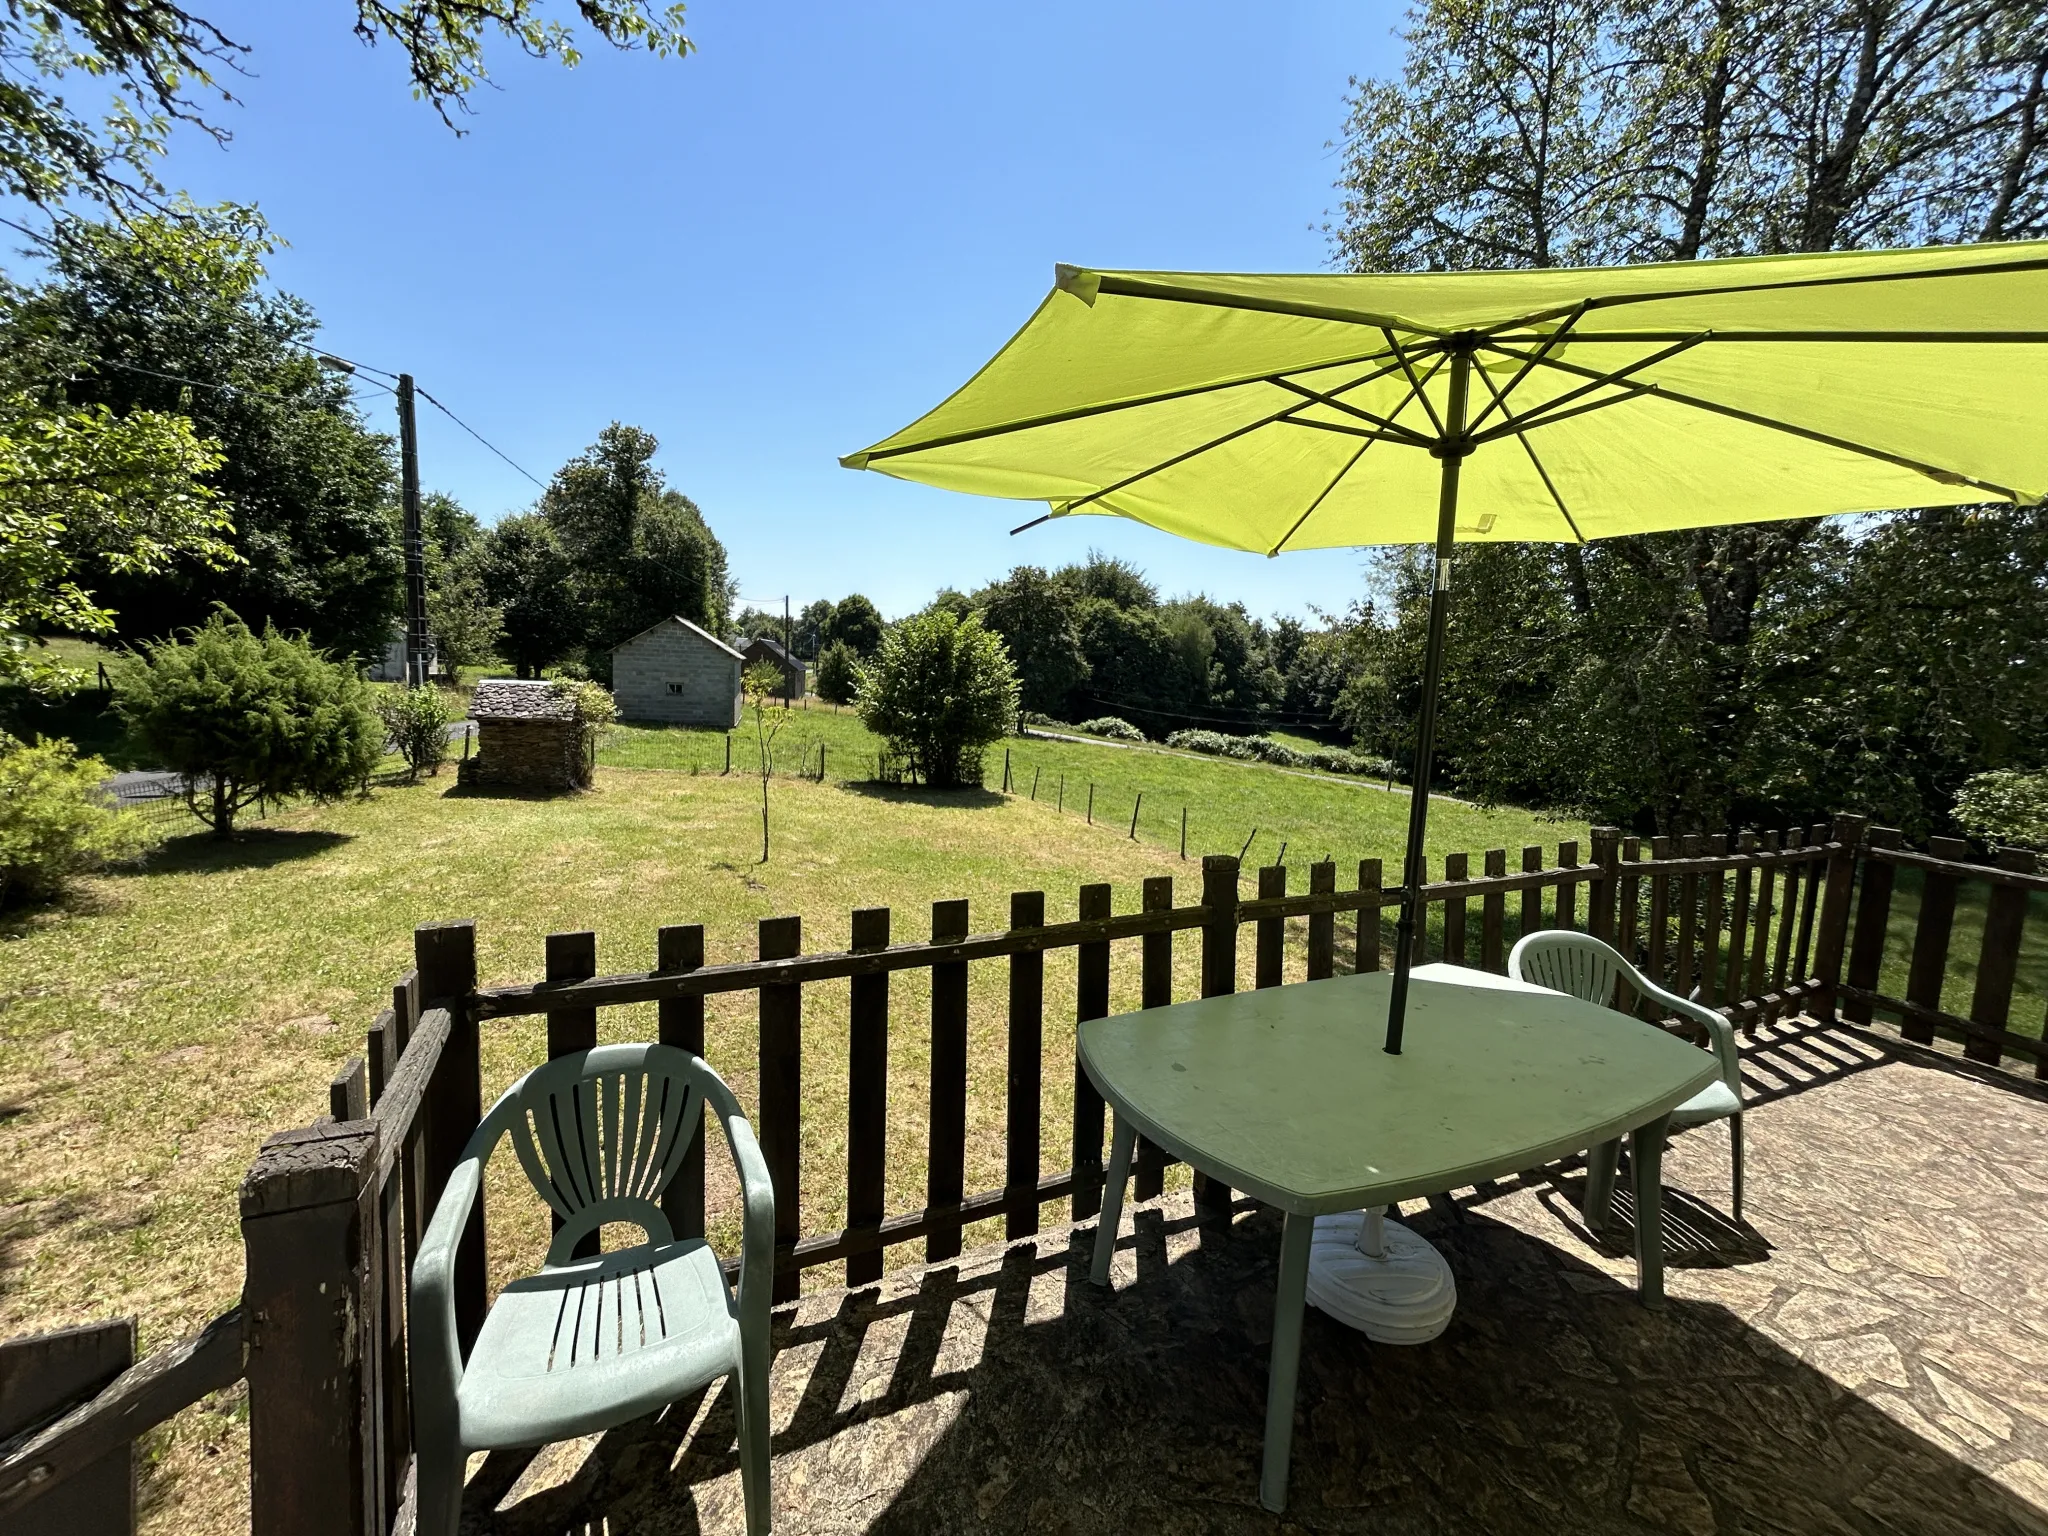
(1760, 926)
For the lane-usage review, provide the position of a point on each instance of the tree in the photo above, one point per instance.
(131, 311)
(1542, 132)
(940, 691)
(761, 684)
(814, 628)
(161, 65)
(1114, 581)
(525, 575)
(637, 552)
(245, 717)
(856, 623)
(1035, 617)
(416, 720)
(85, 495)
(838, 673)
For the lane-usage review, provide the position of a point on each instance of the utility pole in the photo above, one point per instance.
(788, 651)
(416, 642)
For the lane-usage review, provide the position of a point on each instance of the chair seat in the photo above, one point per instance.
(1716, 1101)
(580, 1348)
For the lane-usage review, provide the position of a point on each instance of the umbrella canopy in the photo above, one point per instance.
(1276, 412)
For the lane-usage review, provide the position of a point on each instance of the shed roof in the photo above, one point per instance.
(773, 647)
(675, 618)
(505, 698)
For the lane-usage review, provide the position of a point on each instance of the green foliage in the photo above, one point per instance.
(941, 690)
(54, 821)
(1264, 749)
(857, 624)
(761, 685)
(416, 720)
(596, 712)
(525, 575)
(82, 494)
(159, 65)
(2006, 806)
(309, 486)
(1111, 726)
(243, 716)
(630, 553)
(1036, 618)
(838, 680)
(1109, 579)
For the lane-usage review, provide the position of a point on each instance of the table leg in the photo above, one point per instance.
(1112, 1215)
(1646, 1165)
(1600, 1166)
(1288, 1300)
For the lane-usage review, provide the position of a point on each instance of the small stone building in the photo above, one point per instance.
(761, 648)
(528, 737)
(677, 674)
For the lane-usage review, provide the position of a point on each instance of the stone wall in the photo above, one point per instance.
(527, 754)
(677, 676)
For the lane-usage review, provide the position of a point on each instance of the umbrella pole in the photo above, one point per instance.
(1451, 449)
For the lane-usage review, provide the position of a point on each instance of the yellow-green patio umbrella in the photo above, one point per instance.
(1279, 412)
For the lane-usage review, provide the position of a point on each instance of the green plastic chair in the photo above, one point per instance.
(588, 1344)
(1581, 965)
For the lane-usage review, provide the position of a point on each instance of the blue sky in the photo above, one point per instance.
(789, 244)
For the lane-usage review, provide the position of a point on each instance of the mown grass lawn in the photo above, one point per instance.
(166, 1019)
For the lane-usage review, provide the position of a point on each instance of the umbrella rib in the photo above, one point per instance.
(1916, 338)
(1619, 300)
(1289, 415)
(1081, 412)
(1933, 471)
(1414, 392)
(1387, 424)
(1500, 396)
(1137, 288)
(1414, 384)
(1500, 399)
(1539, 415)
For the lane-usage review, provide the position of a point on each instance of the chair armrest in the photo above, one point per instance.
(434, 1350)
(757, 1232)
(1720, 1032)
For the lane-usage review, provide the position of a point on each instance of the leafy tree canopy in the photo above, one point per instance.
(526, 576)
(857, 624)
(941, 691)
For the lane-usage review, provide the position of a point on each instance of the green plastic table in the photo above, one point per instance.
(1287, 1094)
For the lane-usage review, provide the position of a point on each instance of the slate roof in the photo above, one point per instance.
(772, 647)
(505, 698)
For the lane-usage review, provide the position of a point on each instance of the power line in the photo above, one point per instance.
(226, 389)
(472, 431)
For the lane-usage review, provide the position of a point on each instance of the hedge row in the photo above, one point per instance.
(1264, 749)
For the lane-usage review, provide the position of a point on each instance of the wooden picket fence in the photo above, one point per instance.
(330, 1213)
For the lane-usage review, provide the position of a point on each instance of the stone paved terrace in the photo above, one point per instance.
(1869, 1355)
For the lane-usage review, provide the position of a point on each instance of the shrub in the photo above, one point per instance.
(940, 692)
(838, 673)
(1264, 749)
(596, 712)
(2006, 805)
(1112, 727)
(416, 720)
(243, 716)
(53, 821)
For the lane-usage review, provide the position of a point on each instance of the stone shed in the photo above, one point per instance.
(677, 674)
(528, 737)
(762, 648)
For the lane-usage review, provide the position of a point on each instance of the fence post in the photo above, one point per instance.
(1832, 938)
(308, 1236)
(1601, 894)
(1219, 977)
(1091, 1001)
(2005, 918)
(1155, 984)
(781, 1090)
(867, 1095)
(946, 1155)
(1023, 1096)
(1931, 936)
(679, 1022)
(445, 956)
(1873, 916)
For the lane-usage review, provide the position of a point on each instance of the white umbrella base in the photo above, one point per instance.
(1404, 1296)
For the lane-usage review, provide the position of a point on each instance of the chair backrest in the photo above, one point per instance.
(601, 1133)
(1576, 963)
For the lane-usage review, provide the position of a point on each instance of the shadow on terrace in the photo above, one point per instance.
(1886, 1370)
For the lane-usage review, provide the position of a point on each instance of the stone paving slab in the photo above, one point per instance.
(1868, 1354)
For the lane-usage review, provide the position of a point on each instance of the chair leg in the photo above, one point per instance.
(437, 1490)
(752, 1380)
(1735, 1159)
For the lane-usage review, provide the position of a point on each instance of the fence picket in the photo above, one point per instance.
(946, 1170)
(679, 1022)
(1322, 926)
(1631, 894)
(1532, 897)
(1024, 1088)
(1688, 916)
(2005, 921)
(1714, 898)
(1738, 919)
(1457, 866)
(1155, 991)
(867, 1095)
(1493, 915)
(1567, 897)
(1873, 915)
(1365, 955)
(1271, 943)
(1091, 1001)
(1219, 977)
(1660, 915)
(1931, 936)
(781, 1093)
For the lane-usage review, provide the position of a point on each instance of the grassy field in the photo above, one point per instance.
(162, 1022)
(1231, 806)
